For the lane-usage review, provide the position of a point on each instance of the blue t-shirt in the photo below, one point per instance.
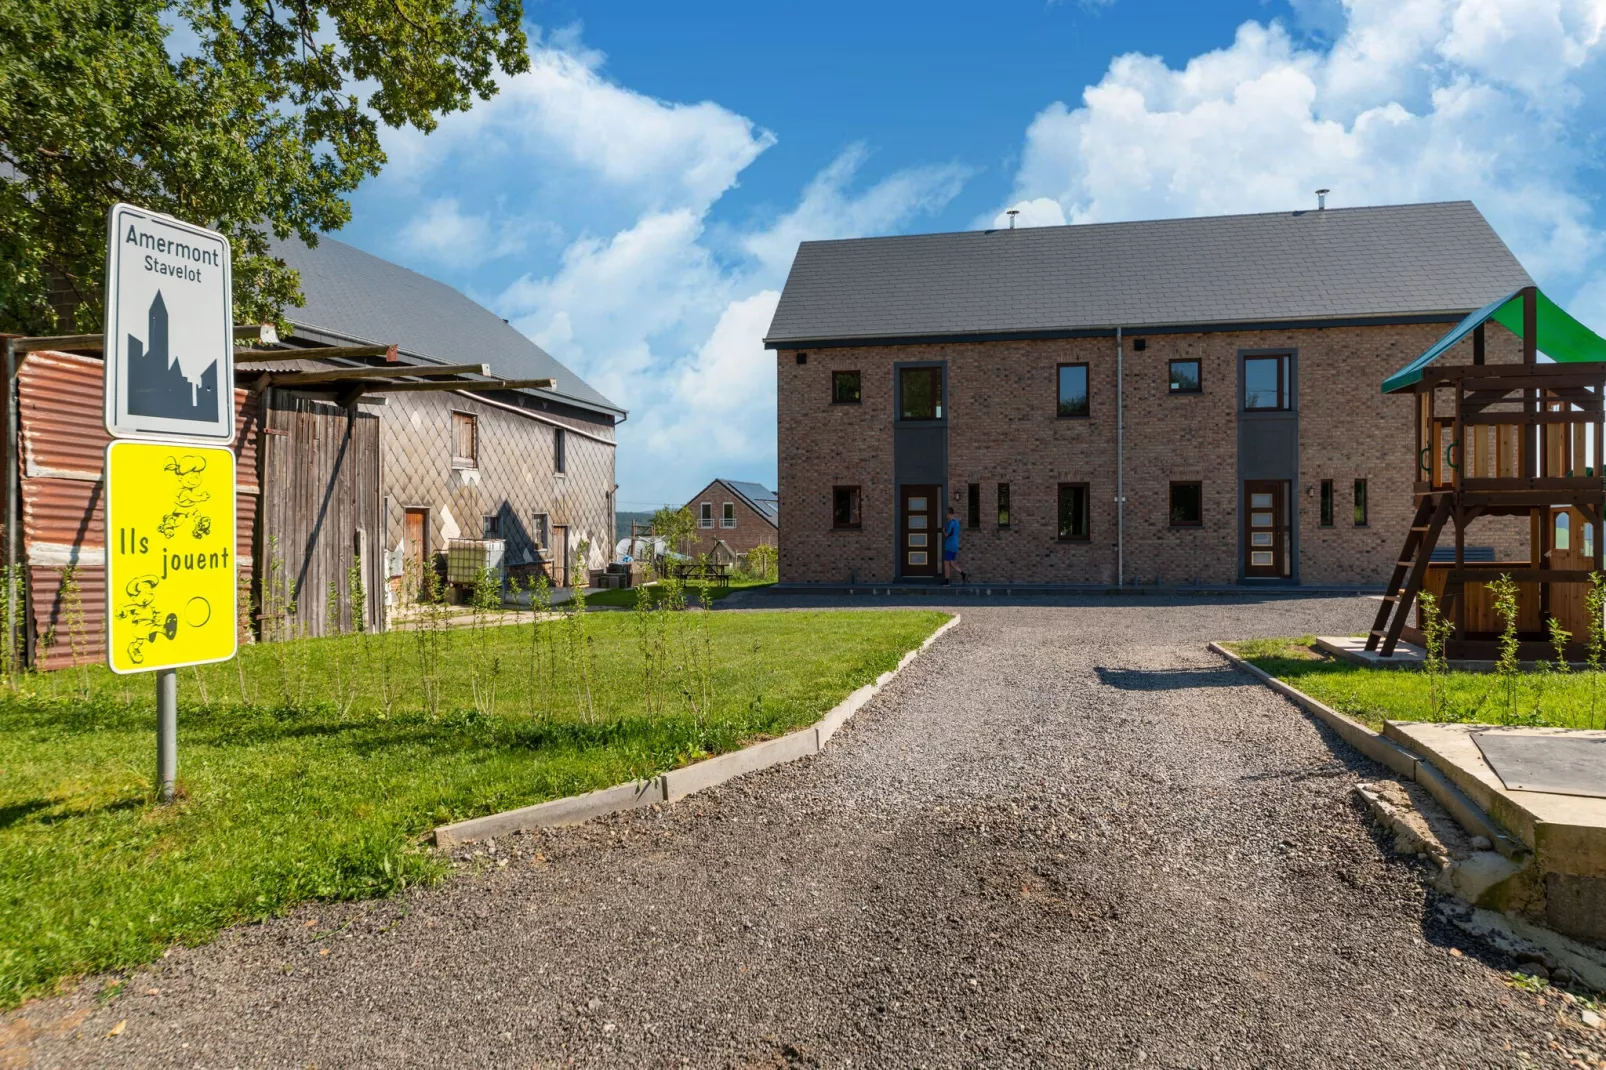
(950, 535)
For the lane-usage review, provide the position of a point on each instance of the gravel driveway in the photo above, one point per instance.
(1067, 836)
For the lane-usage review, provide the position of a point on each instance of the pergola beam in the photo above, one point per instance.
(334, 375)
(264, 332)
(468, 384)
(272, 356)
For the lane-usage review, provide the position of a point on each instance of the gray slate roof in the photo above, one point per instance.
(353, 295)
(761, 499)
(1409, 259)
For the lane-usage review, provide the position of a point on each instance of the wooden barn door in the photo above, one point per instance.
(320, 511)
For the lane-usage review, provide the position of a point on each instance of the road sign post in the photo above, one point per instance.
(169, 407)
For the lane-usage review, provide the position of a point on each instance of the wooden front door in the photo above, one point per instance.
(415, 539)
(560, 555)
(1265, 529)
(920, 533)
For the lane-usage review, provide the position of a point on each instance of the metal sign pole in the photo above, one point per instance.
(166, 732)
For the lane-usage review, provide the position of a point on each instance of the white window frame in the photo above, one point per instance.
(705, 515)
(727, 515)
(543, 529)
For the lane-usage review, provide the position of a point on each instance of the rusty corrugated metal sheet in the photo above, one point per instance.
(63, 445)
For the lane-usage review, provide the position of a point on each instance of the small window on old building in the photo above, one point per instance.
(540, 528)
(844, 507)
(920, 393)
(705, 515)
(465, 440)
(1187, 505)
(1265, 383)
(1327, 503)
(1185, 377)
(491, 527)
(1003, 505)
(560, 449)
(1073, 512)
(973, 505)
(1073, 400)
(727, 517)
(844, 388)
(1360, 503)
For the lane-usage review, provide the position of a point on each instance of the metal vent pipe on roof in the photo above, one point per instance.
(1012, 213)
(1321, 199)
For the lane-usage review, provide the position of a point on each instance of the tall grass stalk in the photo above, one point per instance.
(1436, 629)
(542, 657)
(582, 659)
(1507, 666)
(431, 633)
(1595, 637)
(485, 665)
(244, 606)
(357, 598)
(72, 602)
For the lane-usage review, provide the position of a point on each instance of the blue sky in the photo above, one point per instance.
(634, 201)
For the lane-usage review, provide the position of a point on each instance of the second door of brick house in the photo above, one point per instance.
(1265, 529)
(920, 536)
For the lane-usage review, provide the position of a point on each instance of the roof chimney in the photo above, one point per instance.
(1012, 213)
(1321, 199)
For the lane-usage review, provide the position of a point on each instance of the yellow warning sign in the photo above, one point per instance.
(170, 568)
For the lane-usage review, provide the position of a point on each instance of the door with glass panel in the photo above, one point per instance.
(920, 534)
(1265, 530)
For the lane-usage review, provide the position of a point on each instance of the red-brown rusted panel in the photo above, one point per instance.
(63, 440)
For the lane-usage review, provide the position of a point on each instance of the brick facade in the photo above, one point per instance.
(1002, 428)
(751, 528)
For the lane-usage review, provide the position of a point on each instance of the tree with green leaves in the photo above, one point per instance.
(240, 115)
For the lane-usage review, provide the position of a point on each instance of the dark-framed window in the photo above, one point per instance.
(560, 450)
(845, 507)
(845, 388)
(727, 515)
(1074, 508)
(1073, 400)
(1327, 503)
(973, 505)
(465, 440)
(1185, 378)
(919, 393)
(1187, 504)
(705, 515)
(1360, 503)
(491, 526)
(1266, 383)
(1003, 505)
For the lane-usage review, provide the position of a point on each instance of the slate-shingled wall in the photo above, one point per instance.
(515, 477)
(1003, 429)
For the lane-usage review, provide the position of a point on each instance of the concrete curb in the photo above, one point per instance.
(679, 783)
(1389, 753)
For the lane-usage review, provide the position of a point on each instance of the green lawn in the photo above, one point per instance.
(291, 800)
(694, 595)
(1563, 700)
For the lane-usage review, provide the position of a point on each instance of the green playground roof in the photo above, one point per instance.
(1559, 337)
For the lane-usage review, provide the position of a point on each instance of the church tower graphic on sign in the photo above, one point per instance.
(156, 382)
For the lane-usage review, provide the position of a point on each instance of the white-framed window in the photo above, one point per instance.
(727, 519)
(541, 529)
(705, 515)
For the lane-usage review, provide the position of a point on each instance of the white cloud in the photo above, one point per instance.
(1414, 100)
(447, 236)
(828, 208)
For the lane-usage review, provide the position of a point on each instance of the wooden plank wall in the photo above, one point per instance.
(323, 464)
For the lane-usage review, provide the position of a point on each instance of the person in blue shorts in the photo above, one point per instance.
(950, 549)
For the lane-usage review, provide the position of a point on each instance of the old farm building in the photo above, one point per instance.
(398, 419)
(1175, 401)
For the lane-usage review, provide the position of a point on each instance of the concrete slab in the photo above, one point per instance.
(1353, 648)
(1567, 833)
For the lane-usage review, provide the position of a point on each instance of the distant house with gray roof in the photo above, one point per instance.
(1169, 401)
(733, 517)
(531, 469)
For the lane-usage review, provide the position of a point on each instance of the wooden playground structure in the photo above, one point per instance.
(1504, 440)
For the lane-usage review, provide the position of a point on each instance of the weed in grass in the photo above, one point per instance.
(244, 605)
(72, 601)
(1595, 637)
(431, 633)
(1507, 665)
(485, 666)
(582, 658)
(1436, 629)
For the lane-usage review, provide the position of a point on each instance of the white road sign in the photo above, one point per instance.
(169, 329)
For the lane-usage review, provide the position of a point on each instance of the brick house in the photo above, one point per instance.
(732, 518)
(1165, 402)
